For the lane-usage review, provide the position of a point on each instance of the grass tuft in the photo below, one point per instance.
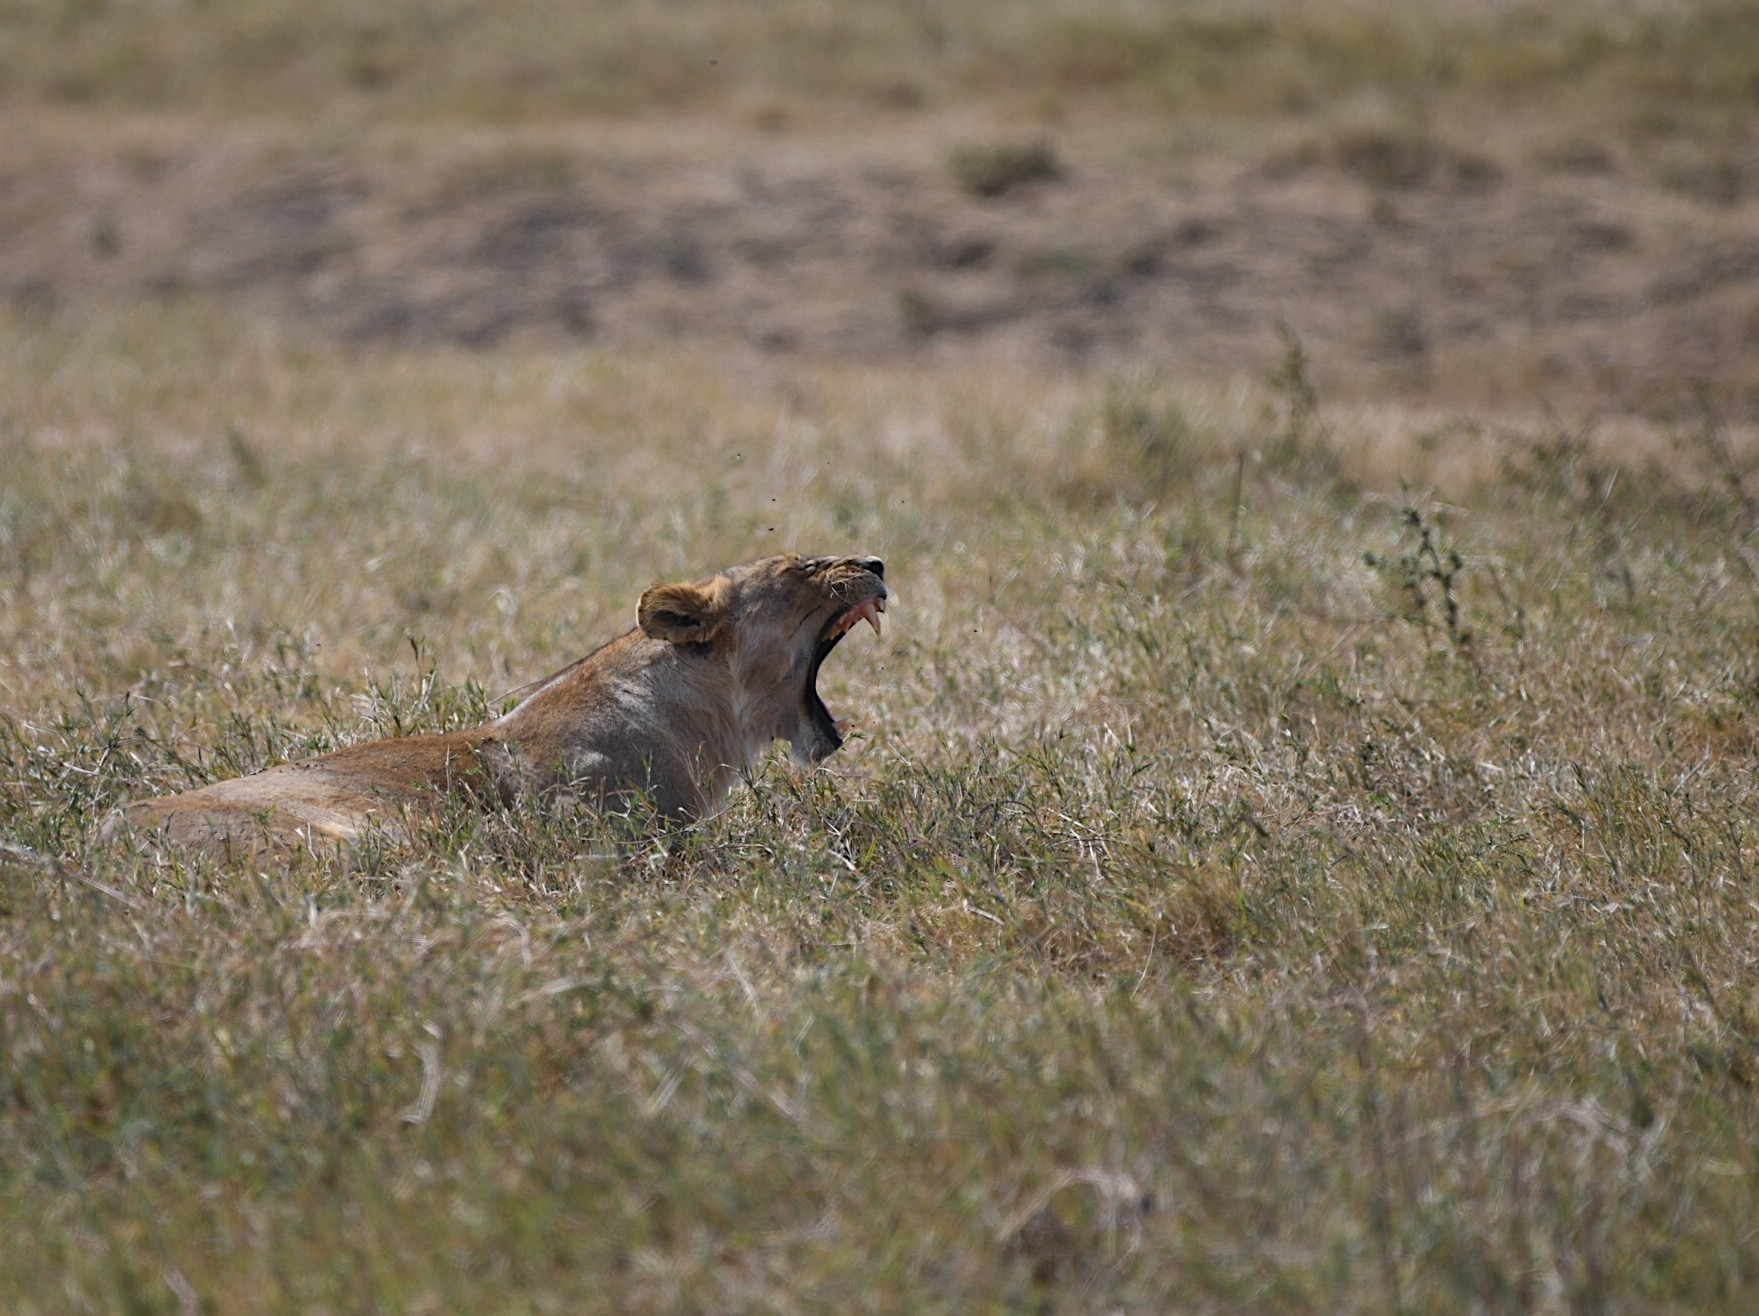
(993, 171)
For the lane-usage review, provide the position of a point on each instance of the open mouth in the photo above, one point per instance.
(869, 610)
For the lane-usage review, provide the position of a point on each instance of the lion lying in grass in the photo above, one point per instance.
(671, 711)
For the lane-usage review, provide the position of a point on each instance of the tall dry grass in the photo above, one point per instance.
(1296, 859)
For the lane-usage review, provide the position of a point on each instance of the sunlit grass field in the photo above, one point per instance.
(1295, 858)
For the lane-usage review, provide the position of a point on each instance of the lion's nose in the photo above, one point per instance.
(872, 564)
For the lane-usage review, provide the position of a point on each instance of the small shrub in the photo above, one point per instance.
(917, 313)
(1578, 155)
(1151, 443)
(1426, 575)
(1060, 261)
(1399, 334)
(993, 171)
(1301, 448)
(1386, 159)
(1714, 180)
(1400, 160)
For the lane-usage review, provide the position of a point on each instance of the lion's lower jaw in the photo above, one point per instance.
(811, 748)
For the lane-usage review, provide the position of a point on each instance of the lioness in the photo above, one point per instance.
(673, 710)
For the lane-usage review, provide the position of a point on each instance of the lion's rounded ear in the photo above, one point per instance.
(682, 613)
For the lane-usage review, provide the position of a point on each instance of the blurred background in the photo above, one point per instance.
(1488, 203)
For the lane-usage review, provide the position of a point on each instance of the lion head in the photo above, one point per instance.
(774, 621)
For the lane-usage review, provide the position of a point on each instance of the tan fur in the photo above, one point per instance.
(713, 674)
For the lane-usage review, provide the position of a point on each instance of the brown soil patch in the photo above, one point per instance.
(1404, 263)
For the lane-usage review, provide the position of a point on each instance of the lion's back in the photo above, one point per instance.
(334, 798)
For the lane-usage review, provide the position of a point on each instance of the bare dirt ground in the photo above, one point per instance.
(1529, 265)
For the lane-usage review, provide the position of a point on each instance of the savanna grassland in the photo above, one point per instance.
(1299, 849)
